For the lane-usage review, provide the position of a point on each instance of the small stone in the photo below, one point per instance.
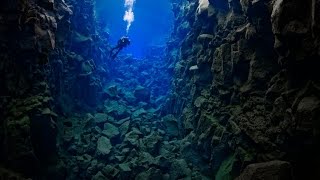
(90, 121)
(123, 129)
(110, 171)
(48, 111)
(122, 121)
(199, 101)
(97, 129)
(166, 176)
(125, 150)
(152, 173)
(203, 37)
(120, 158)
(72, 149)
(138, 113)
(192, 68)
(107, 169)
(124, 167)
(162, 132)
(99, 176)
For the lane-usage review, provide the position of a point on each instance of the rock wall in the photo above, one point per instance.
(27, 30)
(48, 52)
(246, 82)
(77, 61)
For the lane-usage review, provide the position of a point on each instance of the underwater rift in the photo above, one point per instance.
(159, 90)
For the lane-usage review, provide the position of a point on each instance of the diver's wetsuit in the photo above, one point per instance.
(123, 42)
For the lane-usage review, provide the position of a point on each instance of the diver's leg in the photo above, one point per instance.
(111, 51)
(115, 54)
(114, 48)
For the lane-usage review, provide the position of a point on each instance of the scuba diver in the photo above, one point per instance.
(122, 42)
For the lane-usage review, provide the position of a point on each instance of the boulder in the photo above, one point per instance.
(104, 146)
(125, 171)
(187, 150)
(84, 161)
(308, 105)
(132, 137)
(110, 130)
(145, 159)
(99, 176)
(110, 171)
(116, 109)
(138, 113)
(280, 170)
(151, 173)
(199, 101)
(87, 68)
(124, 167)
(130, 98)
(179, 169)
(171, 124)
(165, 150)
(92, 169)
(89, 121)
(306, 113)
(112, 91)
(101, 118)
(123, 129)
(142, 94)
(152, 141)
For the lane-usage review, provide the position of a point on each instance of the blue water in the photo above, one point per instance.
(151, 27)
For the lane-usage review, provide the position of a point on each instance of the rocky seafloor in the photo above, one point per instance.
(234, 94)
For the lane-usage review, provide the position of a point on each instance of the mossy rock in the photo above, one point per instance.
(225, 171)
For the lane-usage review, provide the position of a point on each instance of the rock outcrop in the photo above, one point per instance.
(246, 81)
(40, 69)
(28, 122)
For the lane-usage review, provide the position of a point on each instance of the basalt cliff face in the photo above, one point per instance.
(246, 82)
(41, 57)
(27, 38)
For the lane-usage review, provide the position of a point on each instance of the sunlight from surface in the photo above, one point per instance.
(153, 23)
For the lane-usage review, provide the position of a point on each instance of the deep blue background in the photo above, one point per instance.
(152, 24)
